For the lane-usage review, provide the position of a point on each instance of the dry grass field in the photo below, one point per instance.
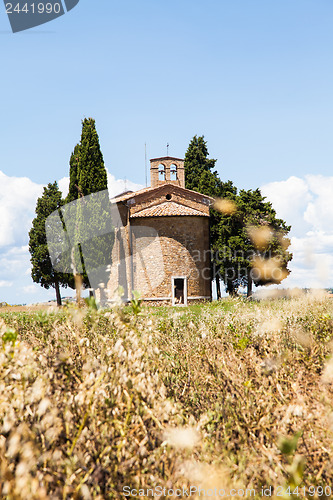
(230, 399)
(31, 308)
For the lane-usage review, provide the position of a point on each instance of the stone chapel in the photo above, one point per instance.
(161, 246)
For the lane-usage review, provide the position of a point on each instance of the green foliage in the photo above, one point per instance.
(10, 335)
(91, 172)
(236, 246)
(91, 303)
(232, 248)
(242, 341)
(198, 169)
(87, 173)
(200, 177)
(136, 302)
(73, 175)
(295, 468)
(88, 176)
(288, 445)
(42, 271)
(322, 328)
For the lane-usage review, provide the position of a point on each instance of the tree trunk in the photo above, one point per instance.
(231, 290)
(218, 288)
(249, 285)
(57, 289)
(78, 287)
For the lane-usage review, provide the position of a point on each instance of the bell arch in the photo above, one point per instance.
(167, 169)
(173, 172)
(161, 172)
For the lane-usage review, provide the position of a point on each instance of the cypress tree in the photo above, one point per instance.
(87, 172)
(200, 176)
(42, 271)
(91, 172)
(73, 175)
(198, 167)
(88, 175)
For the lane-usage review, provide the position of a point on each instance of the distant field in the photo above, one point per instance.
(233, 395)
(31, 308)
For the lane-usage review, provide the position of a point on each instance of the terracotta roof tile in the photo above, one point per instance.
(168, 208)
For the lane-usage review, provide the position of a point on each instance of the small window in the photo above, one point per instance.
(168, 197)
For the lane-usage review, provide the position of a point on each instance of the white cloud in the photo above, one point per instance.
(14, 262)
(307, 205)
(31, 289)
(115, 186)
(17, 205)
(118, 186)
(319, 212)
(290, 199)
(64, 186)
(18, 197)
(5, 284)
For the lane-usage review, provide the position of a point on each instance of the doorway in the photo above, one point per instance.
(179, 291)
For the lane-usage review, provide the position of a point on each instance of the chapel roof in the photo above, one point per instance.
(128, 196)
(168, 209)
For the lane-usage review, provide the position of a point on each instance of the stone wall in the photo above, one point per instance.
(151, 250)
(181, 250)
(190, 199)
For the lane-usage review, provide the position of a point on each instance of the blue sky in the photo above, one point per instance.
(255, 78)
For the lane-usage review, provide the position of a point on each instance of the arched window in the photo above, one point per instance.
(161, 173)
(173, 173)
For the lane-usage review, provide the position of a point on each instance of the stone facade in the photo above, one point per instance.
(161, 246)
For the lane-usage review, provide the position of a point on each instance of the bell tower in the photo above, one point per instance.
(167, 170)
